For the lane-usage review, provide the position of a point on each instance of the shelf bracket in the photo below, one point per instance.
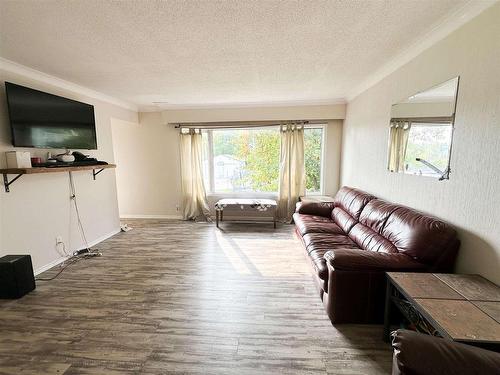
(7, 183)
(94, 173)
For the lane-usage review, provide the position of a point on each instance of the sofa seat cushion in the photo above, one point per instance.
(315, 224)
(367, 239)
(316, 241)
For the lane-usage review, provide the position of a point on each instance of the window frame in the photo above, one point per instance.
(211, 170)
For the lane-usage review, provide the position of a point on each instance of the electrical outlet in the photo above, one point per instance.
(59, 240)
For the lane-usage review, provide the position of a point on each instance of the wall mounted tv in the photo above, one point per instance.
(42, 120)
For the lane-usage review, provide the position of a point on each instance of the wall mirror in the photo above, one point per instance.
(421, 132)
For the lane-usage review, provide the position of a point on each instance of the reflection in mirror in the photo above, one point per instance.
(421, 132)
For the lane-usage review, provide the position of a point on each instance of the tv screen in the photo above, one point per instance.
(43, 120)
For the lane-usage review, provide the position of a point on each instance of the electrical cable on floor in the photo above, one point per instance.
(72, 260)
(78, 255)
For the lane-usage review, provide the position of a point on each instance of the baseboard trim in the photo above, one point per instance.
(171, 217)
(47, 267)
(105, 237)
(62, 259)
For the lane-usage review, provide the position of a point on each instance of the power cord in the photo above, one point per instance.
(87, 249)
(78, 255)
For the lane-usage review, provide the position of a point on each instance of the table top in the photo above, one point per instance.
(462, 307)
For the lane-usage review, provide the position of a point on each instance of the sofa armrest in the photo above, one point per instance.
(314, 208)
(416, 353)
(364, 260)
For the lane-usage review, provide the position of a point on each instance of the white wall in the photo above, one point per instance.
(148, 166)
(471, 198)
(148, 178)
(306, 112)
(38, 207)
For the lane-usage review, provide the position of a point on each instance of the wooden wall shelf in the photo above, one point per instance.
(96, 169)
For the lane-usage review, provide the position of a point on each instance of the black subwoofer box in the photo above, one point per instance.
(16, 276)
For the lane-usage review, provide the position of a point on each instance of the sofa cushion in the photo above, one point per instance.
(376, 213)
(352, 201)
(314, 208)
(316, 241)
(367, 239)
(315, 224)
(366, 233)
(349, 204)
(343, 219)
(419, 236)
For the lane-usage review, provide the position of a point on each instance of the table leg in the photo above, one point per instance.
(217, 218)
(221, 215)
(274, 219)
(387, 312)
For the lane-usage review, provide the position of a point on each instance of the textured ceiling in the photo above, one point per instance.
(215, 52)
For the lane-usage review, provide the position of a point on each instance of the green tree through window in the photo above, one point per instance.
(247, 160)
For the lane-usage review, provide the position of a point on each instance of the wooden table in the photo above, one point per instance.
(261, 205)
(463, 308)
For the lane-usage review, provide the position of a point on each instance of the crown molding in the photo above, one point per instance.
(13, 67)
(291, 103)
(442, 29)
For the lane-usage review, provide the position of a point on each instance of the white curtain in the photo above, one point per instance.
(400, 130)
(292, 179)
(194, 198)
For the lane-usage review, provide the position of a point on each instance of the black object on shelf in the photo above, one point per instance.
(16, 276)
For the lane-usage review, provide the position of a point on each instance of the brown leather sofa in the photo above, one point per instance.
(353, 241)
(419, 354)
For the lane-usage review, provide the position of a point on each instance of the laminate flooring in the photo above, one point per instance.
(173, 297)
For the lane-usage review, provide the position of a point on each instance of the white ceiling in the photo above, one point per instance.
(204, 53)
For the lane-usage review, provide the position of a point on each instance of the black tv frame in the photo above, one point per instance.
(13, 140)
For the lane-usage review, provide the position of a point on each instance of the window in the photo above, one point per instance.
(247, 160)
(313, 150)
(430, 143)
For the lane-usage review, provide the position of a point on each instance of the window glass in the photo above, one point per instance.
(431, 144)
(247, 160)
(313, 150)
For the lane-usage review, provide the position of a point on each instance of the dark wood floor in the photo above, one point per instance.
(172, 297)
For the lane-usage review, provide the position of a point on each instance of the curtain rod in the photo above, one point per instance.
(241, 124)
(441, 119)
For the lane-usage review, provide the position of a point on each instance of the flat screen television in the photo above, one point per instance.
(42, 120)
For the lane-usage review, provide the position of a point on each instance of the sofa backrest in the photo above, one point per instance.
(422, 237)
(367, 233)
(348, 205)
(377, 225)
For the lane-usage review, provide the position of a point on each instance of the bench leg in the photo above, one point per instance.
(217, 218)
